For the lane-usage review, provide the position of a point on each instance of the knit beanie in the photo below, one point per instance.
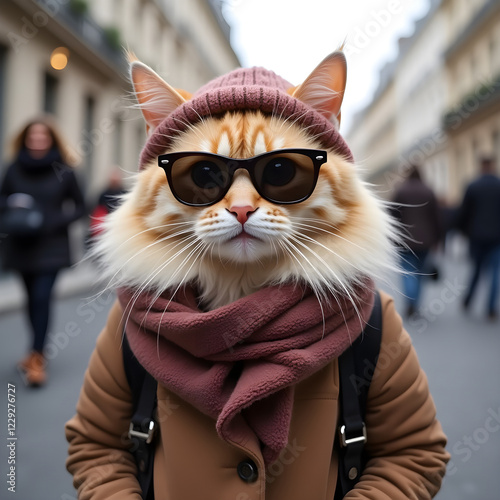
(240, 90)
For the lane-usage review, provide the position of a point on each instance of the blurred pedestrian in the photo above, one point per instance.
(416, 207)
(39, 198)
(110, 197)
(108, 200)
(479, 219)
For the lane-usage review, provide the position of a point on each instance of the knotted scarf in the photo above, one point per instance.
(239, 363)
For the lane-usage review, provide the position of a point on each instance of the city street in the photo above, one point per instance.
(459, 353)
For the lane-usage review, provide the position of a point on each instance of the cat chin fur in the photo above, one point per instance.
(130, 258)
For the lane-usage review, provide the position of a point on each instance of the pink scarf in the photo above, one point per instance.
(243, 359)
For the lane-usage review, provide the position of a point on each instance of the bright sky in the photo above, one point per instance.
(291, 37)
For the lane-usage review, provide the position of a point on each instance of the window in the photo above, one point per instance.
(3, 82)
(88, 137)
(50, 94)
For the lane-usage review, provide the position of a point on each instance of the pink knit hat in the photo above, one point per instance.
(239, 90)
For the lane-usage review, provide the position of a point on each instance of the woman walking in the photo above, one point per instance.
(39, 198)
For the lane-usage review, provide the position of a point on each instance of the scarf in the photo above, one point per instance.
(239, 363)
(32, 165)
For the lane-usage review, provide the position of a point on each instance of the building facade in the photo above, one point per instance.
(472, 62)
(438, 104)
(186, 42)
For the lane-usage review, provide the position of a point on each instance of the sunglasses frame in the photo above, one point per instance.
(167, 161)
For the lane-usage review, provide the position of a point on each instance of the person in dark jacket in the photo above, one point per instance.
(108, 200)
(479, 219)
(41, 177)
(416, 207)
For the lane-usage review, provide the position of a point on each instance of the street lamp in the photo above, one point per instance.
(59, 58)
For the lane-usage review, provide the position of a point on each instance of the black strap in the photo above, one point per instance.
(142, 424)
(366, 351)
(356, 367)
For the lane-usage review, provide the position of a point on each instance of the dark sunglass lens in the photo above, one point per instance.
(285, 178)
(199, 179)
(206, 175)
(278, 172)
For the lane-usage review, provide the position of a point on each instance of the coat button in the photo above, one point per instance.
(247, 470)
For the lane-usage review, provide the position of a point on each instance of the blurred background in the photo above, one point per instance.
(423, 88)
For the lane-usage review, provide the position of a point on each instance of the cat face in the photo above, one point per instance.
(243, 227)
(243, 242)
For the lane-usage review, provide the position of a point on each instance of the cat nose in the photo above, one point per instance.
(242, 213)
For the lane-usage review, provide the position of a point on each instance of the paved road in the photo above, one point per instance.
(41, 413)
(459, 353)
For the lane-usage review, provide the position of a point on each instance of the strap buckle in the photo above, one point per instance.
(135, 432)
(344, 441)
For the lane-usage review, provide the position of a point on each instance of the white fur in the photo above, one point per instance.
(260, 144)
(224, 147)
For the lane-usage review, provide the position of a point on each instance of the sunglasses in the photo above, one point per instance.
(284, 176)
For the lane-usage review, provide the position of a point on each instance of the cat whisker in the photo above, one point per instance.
(181, 282)
(181, 242)
(346, 287)
(164, 264)
(202, 254)
(193, 127)
(115, 281)
(297, 234)
(282, 121)
(291, 121)
(149, 229)
(336, 234)
(146, 284)
(166, 286)
(326, 282)
(317, 293)
(388, 265)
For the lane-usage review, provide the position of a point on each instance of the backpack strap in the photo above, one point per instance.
(142, 428)
(356, 367)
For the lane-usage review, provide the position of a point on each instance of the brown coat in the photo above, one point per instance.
(405, 441)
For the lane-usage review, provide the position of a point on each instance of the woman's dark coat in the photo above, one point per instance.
(55, 189)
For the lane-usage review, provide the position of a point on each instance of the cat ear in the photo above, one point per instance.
(156, 98)
(324, 88)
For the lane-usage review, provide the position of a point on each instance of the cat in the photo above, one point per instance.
(244, 256)
(330, 241)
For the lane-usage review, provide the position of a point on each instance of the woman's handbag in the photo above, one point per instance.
(21, 216)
